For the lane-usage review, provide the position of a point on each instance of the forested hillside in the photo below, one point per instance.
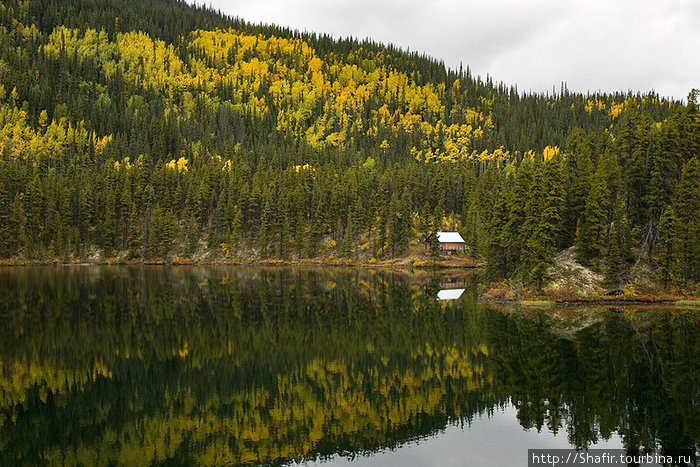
(153, 129)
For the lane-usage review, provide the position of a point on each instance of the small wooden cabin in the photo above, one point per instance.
(450, 242)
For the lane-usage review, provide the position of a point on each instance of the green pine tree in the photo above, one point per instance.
(434, 250)
(686, 225)
(544, 220)
(347, 248)
(135, 234)
(497, 264)
(594, 226)
(618, 249)
(18, 225)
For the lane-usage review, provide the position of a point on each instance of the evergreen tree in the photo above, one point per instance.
(578, 172)
(497, 265)
(382, 238)
(125, 214)
(474, 229)
(315, 234)
(266, 223)
(686, 225)
(300, 234)
(18, 226)
(191, 235)
(7, 229)
(638, 173)
(169, 228)
(618, 249)
(515, 237)
(594, 227)
(236, 226)
(33, 216)
(434, 250)
(135, 234)
(666, 225)
(666, 163)
(108, 228)
(542, 223)
(360, 218)
(399, 223)
(154, 234)
(426, 222)
(347, 248)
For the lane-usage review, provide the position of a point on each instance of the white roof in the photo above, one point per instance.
(449, 294)
(449, 237)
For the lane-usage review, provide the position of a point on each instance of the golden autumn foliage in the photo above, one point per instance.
(20, 140)
(596, 103)
(321, 101)
(263, 426)
(550, 152)
(180, 165)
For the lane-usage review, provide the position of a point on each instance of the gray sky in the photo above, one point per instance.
(605, 45)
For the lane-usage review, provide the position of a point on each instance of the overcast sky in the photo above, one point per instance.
(605, 45)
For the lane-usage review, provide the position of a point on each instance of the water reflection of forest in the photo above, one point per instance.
(252, 365)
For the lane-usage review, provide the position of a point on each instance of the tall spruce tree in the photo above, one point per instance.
(497, 262)
(7, 230)
(595, 221)
(135, 234)
(543, 222)
(685, 236)
(618, 251)
(515, 238)
(579, 172)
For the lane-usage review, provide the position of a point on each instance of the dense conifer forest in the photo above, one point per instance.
(156, 130)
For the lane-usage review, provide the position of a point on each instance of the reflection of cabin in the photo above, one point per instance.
(449, 294)
(449, 287)
(450, 242)
(454, 283)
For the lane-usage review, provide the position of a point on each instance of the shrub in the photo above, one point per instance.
(538, 303)
(563, 294)
(629, 291)
(500, 291)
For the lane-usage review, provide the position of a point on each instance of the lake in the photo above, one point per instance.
(220, 365)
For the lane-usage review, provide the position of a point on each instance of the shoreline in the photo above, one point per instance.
(685, 301)
(401, 263)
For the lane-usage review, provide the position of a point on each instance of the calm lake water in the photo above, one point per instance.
(235, 365)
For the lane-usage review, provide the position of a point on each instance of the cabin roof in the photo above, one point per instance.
(449, 237)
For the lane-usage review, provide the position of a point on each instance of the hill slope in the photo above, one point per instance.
(157, 129)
